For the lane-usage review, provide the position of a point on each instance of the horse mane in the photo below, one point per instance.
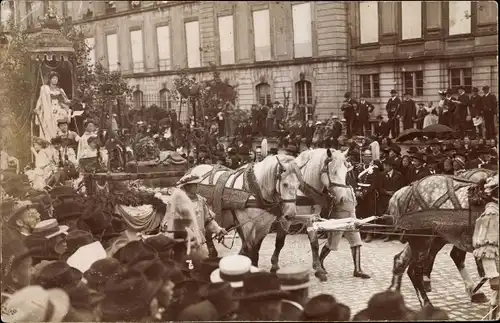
(266, 172)
(312, 166)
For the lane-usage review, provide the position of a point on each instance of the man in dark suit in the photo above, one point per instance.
(437, 154)
(363, 115)
(476, 109)
(381, 127)
(461, 111)
(419, 170)
(392, 181)
(349, 107)
(393, 107)
(490, 109)
(408, 111)
(295, 281)
(336, 132)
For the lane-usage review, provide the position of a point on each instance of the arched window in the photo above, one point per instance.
(263, 91)
(138, 99)
(303, 96)
(165, 102)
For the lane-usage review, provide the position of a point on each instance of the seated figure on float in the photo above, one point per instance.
(52, 106)
(44, 164)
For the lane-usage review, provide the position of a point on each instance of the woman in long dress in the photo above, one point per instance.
(52, 105)
(44, 164)
(432, 115)
(83, 147)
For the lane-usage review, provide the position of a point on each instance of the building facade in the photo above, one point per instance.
(422, 47)
(315, 51)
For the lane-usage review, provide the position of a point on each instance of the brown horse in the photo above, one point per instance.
(438, 209)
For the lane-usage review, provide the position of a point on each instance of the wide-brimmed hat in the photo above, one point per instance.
(419, 156)
(384, 305)
(49, 229)
(74, 240)
(128, 292)
(188, 179)
(58, 274)
(95, 222)
(35, 304)
(10, 208)
(102, 271)
(83, 297)
(233, 269)
(132, 252)
(293, 278)
(222, 293)
(261, 286)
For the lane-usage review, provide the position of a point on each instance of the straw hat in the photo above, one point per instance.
(233, 269)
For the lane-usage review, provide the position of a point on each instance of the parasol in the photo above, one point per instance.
(436, 129)
(409, 134)
(263, 147)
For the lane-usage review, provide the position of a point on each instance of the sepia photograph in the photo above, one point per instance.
(249, 161)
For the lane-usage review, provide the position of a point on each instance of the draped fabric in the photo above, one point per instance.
(50, 108)
(140, 218)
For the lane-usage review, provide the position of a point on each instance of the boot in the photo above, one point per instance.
(325, 251)
(356, 257)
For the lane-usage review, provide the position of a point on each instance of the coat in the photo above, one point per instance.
(382, 129)
(336, 129)
(364, 110)
(349, 109)
(476, 106)
(393, 107)
(419, 173)
(393, 183)
(408, 111)
(461, 110)
(490, 105)
(202, 311)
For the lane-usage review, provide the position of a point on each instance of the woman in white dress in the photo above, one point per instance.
(90, 130)
(432, 115)
(52, 105)
(44, 164)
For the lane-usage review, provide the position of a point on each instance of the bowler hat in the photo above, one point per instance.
(389, 161)
(486, 88)
(461, 87)
(393, 91)
(261, 286)
(412, 150)
(419, 156)
(101, 271)
(347, 95)
(395, 148)
(58, 274)
(204, 269)
(151, 266)
(475, 89)
(320, 306)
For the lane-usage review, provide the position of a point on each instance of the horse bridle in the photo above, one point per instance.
(280, 169)
(331, 183)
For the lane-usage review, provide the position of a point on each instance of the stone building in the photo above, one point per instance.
(266, 48)
(316, 51)
(422, 47)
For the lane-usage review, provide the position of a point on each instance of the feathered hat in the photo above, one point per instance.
(263, 147)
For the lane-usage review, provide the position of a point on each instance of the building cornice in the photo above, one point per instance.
(232, 67)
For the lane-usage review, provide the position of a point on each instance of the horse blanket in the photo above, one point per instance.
(438, 203)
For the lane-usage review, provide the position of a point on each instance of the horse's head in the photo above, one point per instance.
(334, 169)
(282, 176)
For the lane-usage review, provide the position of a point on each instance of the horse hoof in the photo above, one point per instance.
(321, 276)
(427, 286)
(479, 298)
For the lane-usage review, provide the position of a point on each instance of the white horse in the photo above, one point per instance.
(271, 187)
(324, 172)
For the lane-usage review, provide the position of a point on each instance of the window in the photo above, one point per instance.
(303, 92)
(165, 102)
(388, 14)
(193, 44)
(433, 14)
(411, 19)
(226, 40)
(29, 14)
(461, 77)
(137, 51)
(163, 43)
(413, 83)
(7, 12)
(90, 43)
(263, 93)
(262, 35)
(370, 85)
(112, 51)
(487, 12)
(368, 22)
(138, 99)
(460, 17)
(302, 31)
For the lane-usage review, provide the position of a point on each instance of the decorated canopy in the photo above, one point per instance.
(50, 43)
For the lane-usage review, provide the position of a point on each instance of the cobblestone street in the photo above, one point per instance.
(377, 257)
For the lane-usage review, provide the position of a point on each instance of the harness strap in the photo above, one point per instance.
(218, 195)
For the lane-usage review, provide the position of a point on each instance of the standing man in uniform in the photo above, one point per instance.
(490, 110)
(393, 107)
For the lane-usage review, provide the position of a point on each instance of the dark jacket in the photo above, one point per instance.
(408, 111)
(461, 109)
(476, 106)
(419, 173)
(364, 110)
(393, 183)
(382, 129)
(393, 107)
(349, 109)
(337, 129)
(490, 104)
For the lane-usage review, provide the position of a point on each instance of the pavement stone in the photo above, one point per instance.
(377, 258)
